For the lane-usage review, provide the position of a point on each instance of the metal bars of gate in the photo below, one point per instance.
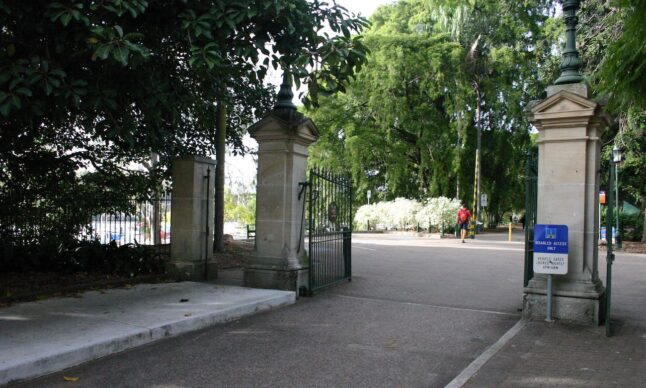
(531, 198)
(330, 229)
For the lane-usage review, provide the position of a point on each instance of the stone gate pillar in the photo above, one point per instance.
(191, 217)
(279, 260)
(569, 129)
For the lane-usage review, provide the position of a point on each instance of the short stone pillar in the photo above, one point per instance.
(192, 219)
(569, 129)
(279, 260)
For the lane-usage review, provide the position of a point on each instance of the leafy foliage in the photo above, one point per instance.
(438, 69)
(612, 35)
(240, 207)
(104, 85)
(86, 256)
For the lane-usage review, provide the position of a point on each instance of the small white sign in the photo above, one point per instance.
(484, 201)
(555, 264)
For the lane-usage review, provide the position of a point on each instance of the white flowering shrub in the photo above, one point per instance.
(405, 214)
(384, 215)
(366, 215)
(438, 211)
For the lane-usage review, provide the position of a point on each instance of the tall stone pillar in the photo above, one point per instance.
(279, 260)
(569, 129)
(192, 219)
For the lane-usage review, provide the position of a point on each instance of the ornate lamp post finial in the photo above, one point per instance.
(570, 64)
(285, 94)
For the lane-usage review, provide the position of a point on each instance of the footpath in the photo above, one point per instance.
(541, 354)
(38, 338)
(545, 354)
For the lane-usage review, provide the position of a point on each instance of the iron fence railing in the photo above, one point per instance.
(37, 219)
(147, 223)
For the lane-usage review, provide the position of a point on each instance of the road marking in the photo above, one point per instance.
(366, 249)
(482, 359)
(461, 246)
(428, 305)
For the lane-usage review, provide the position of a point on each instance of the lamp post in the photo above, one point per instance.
(617, 157)
(570, 63)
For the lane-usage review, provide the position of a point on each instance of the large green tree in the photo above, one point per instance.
(103, 84)
(612, 36)
(437, 71)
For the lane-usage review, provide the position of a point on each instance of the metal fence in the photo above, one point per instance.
(38, 219)
(147, 223)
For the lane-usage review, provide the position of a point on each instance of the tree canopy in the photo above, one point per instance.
(100, 85)
(612, 35)
(437, 69)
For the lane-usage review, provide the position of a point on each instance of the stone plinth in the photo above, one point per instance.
(191, 213)
(569, 126)
(278, 260)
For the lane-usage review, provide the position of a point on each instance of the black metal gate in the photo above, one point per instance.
(330, 229)
(531, 198)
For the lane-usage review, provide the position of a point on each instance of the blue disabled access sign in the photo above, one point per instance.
(550, 249)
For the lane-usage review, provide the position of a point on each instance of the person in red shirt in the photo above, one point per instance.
(463, 221)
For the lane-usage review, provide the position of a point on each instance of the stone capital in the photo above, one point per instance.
(285, 125)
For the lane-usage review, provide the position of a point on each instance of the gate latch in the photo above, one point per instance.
(303, 186)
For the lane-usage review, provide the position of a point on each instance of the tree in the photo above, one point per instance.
(407, 126)
(614, 56)
(105, 84)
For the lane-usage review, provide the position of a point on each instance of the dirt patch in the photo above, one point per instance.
(235, 254)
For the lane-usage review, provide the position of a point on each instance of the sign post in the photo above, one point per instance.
(550, 255)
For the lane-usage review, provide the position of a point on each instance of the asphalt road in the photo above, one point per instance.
(417, 312)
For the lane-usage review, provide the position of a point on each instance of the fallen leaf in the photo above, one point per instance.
(127, 285)
(70, 378)
(187, 314)
(183, 300)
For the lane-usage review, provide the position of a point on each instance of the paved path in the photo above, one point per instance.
(46, 336)
(418, 313)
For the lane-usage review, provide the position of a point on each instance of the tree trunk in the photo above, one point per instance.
(644, 224)
(221, 135)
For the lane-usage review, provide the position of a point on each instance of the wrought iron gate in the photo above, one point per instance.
(330, 229)
(531, 189)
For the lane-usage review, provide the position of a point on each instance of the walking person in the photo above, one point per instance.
(463, 221)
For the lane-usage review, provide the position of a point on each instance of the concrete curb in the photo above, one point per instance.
(43, 364)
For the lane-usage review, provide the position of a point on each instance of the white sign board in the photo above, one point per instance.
(484, 201)
(550, 249)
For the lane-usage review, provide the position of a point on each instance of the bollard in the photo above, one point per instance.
(510, 232)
